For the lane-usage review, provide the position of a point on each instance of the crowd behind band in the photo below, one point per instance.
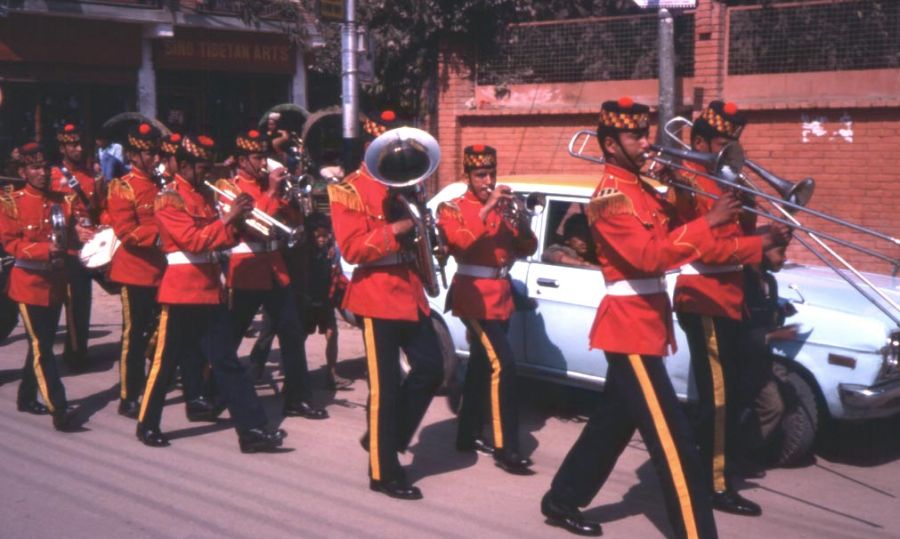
(176, 208)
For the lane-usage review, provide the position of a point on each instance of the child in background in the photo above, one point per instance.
(323, 291)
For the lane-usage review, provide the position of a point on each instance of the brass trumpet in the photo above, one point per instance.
(260, 221)
(518, 210)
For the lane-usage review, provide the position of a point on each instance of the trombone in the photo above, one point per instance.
(727, 165)
(790, 190)
(262, 222)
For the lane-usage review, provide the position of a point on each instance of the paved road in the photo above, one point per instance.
(102, 483)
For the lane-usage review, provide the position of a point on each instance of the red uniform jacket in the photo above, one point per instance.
(255, 271)
(25, 233)
(138, 260)
(636, 240)
(188, 223)
(392, 292)
(484, 243)
(716, 294)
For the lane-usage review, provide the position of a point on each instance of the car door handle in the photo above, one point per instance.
(552, 283)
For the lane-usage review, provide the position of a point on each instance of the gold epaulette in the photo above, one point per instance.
(8, 204)
(346, 195)
(609, 202)
(168, 198)
(122, 189)
(229, 186)
(450, 210)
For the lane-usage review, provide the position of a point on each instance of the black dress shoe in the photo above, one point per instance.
(396, 488)
(568, 517)
(304, 409)
(129, 408)
(64, 419)
(513, 463)
(32, 407)
(478, 445)
(261, 440)
(151, 436)
(200, 409)
(730, 501)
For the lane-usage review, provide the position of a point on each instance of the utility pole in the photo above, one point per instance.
(666, 41)
(352, 152)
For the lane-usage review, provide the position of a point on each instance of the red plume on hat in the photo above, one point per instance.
(69, 134)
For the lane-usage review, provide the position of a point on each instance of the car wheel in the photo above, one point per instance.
(9, 316)
(800, 422)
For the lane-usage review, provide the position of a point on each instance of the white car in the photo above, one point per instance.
(842, 364)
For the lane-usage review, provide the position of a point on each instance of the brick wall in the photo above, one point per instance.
(841, 128)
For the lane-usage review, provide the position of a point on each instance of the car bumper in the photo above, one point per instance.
(872, 401)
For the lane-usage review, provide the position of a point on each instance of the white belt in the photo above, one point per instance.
(392, 259)
(181, 257)
(636, 287)
(32, 265)
(482, 272)
(254, 247)
(699, 268)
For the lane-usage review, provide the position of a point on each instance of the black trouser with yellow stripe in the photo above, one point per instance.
(490, 378)
(713, 341)
(79, 293)
(190, 334)
(139, 317)
(40, 372)
(638, 394)
(396, 404)
(278, 303)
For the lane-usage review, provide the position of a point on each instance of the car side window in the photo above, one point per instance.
(567, 238)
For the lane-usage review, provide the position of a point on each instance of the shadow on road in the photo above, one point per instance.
(644, 498)
(435, 453)
(92, 404)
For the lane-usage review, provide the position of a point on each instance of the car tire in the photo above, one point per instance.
(800, 423)
(9, 316)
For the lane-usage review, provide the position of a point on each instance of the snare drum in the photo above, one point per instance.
(97, 253)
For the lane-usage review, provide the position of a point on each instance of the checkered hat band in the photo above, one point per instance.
(142, 144)
(373, 128)
(480, 160)
(169, 148)
(30, 159)
(624, 120)
(196, 151)
(68, 138)
(720, 124)
(251, 146)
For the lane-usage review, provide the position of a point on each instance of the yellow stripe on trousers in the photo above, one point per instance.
(36, 357)
(126, 333)
(718, 381)
(374, 397)
(157, 361)
(70, 319)
(668, 445)
(495, 383)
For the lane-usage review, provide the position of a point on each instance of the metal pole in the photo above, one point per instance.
(666, 39)
(350, 88)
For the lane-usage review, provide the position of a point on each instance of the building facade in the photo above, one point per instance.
(193, 64)
(819, 81)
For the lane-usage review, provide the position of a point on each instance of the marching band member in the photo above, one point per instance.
(709, 300)
(387, 295)
(87, 199)
(194, 318)
(37, 281)
(636, 244)
(138, 263)
(258, 275)
(485, 245)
